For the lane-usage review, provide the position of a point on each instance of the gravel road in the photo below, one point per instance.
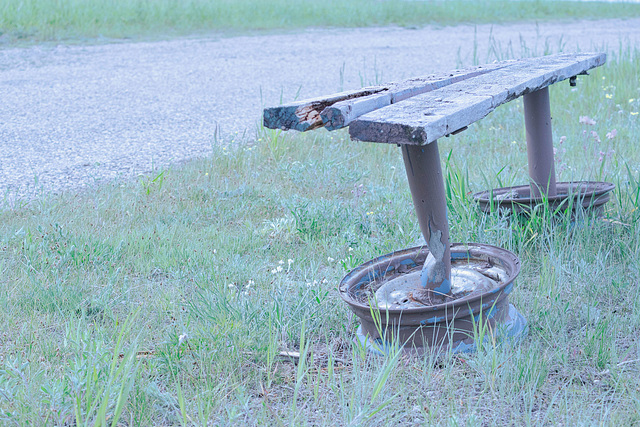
(71, 116)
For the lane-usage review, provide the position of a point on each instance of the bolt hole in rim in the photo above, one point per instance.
(590, 195)
(452, 323)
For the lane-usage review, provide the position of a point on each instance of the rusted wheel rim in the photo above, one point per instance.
(361, 277)
(589, 193)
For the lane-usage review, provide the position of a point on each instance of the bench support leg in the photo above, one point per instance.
(426, 182)
(537, 120)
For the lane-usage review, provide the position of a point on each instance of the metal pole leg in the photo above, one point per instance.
(427, 190)
(537, 121)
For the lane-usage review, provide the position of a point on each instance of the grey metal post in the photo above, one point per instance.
(422, 163)
(537, 121)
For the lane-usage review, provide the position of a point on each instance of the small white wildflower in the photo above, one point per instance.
(289, 261)
(250, 283)
(281, 262)
(325, 281)
(329, 259)
(231, 285)
(350, 249)
(586, 120)
(279, 269)
(182, 338)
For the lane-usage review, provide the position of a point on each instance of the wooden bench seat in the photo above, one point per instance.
(421, 110)
(425, 118)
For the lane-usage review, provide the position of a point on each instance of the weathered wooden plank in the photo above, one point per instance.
(338, 110)
(342, 113)
(425, 118)
(305, 115)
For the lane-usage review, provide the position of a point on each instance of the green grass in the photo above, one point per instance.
(167, 300)
(38, 20)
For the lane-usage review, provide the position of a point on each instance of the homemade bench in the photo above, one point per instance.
(416, 112)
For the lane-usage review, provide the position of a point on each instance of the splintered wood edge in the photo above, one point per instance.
(425, 118)
(338, 110)
(305, 115)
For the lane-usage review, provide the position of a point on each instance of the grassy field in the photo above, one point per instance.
(167, 300)
(79, 20)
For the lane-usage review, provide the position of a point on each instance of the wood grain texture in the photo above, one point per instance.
(305, 115)
(342, 113)
(338, 110)
(425, 118)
